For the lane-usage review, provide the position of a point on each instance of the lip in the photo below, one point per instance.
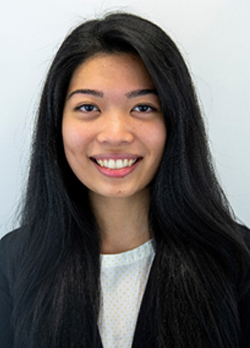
(116, 173)
(115, 156)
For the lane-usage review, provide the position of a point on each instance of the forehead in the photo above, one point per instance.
(109, 70)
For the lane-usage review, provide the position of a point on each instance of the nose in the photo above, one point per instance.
(116, 129)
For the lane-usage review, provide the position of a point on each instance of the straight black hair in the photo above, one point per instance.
(196, 289)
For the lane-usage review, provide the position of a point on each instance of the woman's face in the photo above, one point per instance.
(113, 128)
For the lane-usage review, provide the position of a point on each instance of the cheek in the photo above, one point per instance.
(75, 142)
(157, 137)
(75, 139)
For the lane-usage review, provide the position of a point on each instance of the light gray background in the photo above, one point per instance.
(214, 36)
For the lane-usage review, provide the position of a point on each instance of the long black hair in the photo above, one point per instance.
(201, 262)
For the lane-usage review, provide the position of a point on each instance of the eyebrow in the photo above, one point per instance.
(87, 91)
(132, 94)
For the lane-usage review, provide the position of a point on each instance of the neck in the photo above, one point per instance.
(123, 221)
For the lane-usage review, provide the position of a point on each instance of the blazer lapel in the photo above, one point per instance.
(145, 331)
(98, 343)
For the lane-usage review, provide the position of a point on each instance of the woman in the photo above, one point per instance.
(120, 168)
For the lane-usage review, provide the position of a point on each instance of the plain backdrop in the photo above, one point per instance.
(214, 37)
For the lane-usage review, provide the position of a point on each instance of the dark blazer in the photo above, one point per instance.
(144, 336)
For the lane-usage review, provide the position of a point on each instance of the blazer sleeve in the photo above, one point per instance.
(6, 331)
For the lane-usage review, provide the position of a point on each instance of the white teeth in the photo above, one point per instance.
(111, 164)
(116, 164)
(119, 163)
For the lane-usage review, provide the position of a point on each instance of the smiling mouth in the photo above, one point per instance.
(116, 163)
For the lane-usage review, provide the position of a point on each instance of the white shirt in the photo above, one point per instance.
(123, 281)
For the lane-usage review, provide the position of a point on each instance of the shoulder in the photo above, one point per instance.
(13, 242)
(11, 251)
(11, 248)
(14, 237)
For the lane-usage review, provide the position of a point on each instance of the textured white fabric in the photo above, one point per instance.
(123, 281)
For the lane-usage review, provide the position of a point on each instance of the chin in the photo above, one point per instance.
(121, 193)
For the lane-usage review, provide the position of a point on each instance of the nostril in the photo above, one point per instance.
(115, 137)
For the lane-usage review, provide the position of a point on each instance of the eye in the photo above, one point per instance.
(144, 108)
(87, 108)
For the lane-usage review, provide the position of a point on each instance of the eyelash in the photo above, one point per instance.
(87, 106)
(95, 108)
(148, 108)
